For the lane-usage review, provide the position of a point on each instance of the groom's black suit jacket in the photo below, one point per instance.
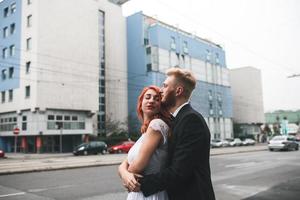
(187, 176)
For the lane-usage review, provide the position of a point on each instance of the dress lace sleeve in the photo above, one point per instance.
(161, 126)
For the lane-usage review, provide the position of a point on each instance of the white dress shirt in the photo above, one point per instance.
(179, 108)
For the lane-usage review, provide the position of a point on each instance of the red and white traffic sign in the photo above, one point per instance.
(16, 131)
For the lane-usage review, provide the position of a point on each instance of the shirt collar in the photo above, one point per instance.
(179, 108)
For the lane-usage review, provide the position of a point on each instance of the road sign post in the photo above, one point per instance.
(16, 132)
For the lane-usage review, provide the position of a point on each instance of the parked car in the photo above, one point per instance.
(215, 143)
(234, 142)
(122, 147)
(93, 147)
(225, 143)
(248, 141)
(283, 142)
(2, 153)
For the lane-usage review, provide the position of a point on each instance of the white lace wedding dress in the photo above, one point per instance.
(156, 163)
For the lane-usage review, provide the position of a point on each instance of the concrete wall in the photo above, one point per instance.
(246, 87)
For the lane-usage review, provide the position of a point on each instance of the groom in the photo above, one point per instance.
(187, 175)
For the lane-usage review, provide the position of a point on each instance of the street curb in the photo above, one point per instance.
(32, 170)
(54, 168)
(236, 152)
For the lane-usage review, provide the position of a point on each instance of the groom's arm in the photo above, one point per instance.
(184, 160)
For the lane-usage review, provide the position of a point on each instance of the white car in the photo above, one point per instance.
(248, 141)
(216, 143)
(225, 143)
(283, 142)
(234, 142)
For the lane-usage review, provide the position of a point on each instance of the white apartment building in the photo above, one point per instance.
(61, 66)
(247, 95)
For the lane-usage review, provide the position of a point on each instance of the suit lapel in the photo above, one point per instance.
(175, 131)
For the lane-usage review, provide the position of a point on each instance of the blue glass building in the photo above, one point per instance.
(154, 46)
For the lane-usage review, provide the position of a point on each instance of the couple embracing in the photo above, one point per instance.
(171, 158)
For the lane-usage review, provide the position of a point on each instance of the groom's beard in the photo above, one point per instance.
(169, 100)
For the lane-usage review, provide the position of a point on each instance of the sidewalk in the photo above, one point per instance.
(22, 163)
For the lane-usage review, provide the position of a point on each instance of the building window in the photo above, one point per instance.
(211, 110)
(146, 41)
(185, 47)
(74, 118)
(217, 59)
(4, 53)
(101, 39)
(13, 8)
(29, 20)
(173, 43)
(5, 12)
(24, 123)
(102, 90)
(5, 32)
(102, 108)
(28, 67)
(102, 100)
(210, 97)
(12, 50)
(59, 117)
(50, 117)
(27, 91)
(67, 118)
(102, 72)
(148, 50)
(219, 97)
(2, 96)
(149, 67)
(3, 74)
(207, 55)
(10, 95)
(10, 72)
(102, 82)
(12, 28)
(28, 44)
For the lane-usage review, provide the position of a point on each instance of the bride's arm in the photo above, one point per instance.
(128, 179)
(151, 141)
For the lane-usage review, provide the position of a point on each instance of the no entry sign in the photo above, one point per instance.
(16, 131)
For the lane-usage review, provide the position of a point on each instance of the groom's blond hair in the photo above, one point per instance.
(185, 78)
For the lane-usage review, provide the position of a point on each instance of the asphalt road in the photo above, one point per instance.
(252, 176)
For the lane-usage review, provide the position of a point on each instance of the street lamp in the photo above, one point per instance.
(294, 75)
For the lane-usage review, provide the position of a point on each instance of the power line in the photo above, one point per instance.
(39, 69)
(294, 75)
(196, 23)
(67, 61)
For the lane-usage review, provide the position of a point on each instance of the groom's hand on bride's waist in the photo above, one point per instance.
(131, 182)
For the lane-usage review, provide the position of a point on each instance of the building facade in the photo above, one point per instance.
(287, 121)
(247, 94)
(61, 65)
(153, 47)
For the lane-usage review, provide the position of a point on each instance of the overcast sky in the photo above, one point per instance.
(258, 33)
